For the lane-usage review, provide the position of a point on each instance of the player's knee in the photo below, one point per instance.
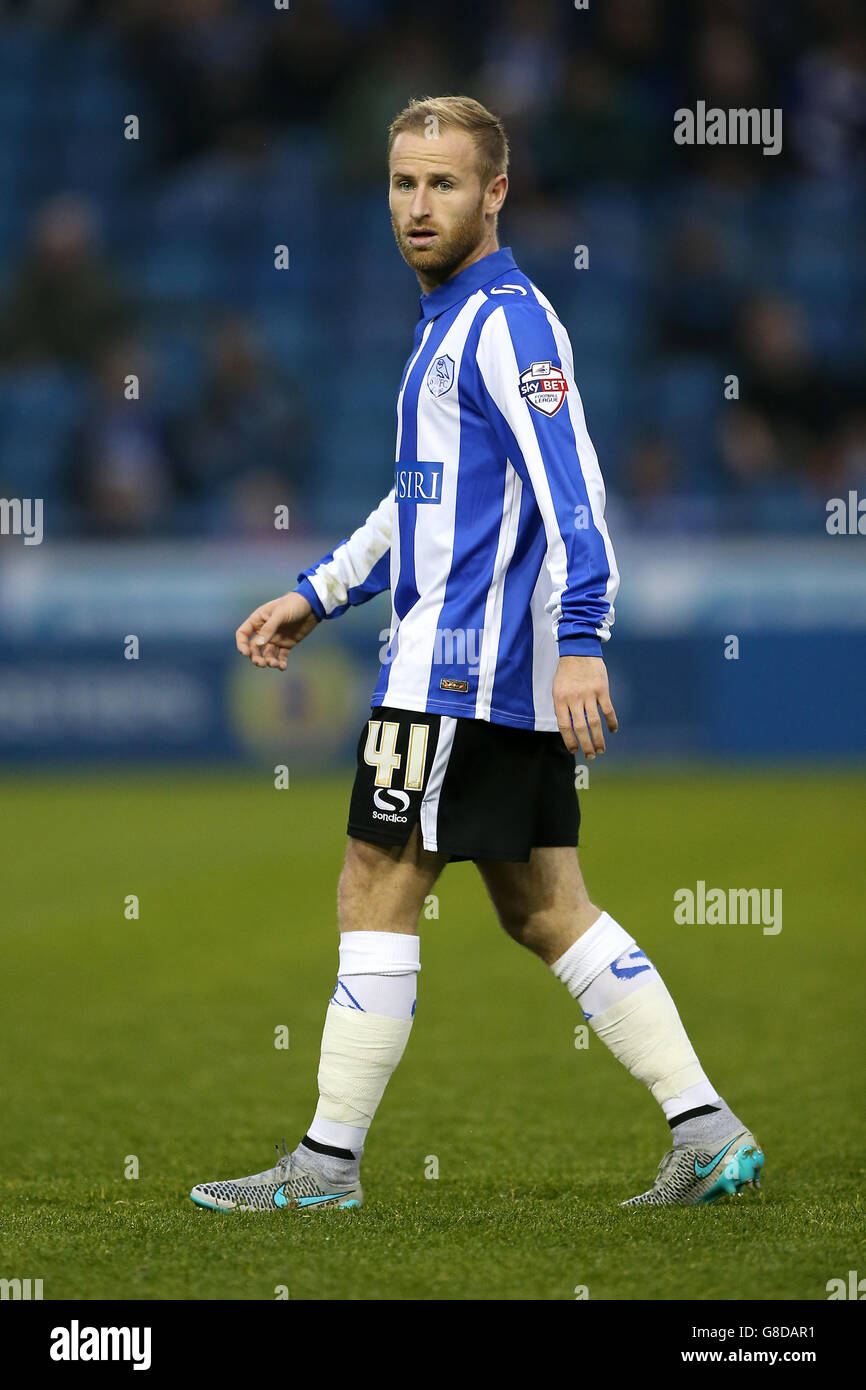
(354, 886)
(377, 890)
(548, 933)
(529, 929)
(512, 920)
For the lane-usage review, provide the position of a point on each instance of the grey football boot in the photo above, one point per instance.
(287, 1187)
(693, 1175)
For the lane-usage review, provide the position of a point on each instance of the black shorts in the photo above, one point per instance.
(479, 790)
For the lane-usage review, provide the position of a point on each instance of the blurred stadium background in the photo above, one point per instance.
(153, 1037)
(261, 127)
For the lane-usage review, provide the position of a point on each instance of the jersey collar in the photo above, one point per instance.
(461, 286)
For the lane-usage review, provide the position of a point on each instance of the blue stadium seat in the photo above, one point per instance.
(294, 336)
(39, 408)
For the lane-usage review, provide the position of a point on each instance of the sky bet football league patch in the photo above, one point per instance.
(544, 387)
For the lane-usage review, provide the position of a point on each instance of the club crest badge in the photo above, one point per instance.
(543, 386)
(440, 377)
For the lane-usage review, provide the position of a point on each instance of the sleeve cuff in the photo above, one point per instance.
(309, 593)
(579, 646)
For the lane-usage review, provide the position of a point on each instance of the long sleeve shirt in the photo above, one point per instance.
(492, 540)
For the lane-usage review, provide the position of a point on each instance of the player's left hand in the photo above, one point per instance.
(580, 689)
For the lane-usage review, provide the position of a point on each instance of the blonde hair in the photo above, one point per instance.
(461, 113)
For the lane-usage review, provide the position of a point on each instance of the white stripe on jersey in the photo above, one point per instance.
(501, 375)
(395, 536)
(588, 462)
(353, 560)
(545, 656)
(438, 768)
(585, 449)
(496, 592)
(438, 437)
(501, 378)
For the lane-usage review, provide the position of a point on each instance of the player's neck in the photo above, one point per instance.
(484, 248)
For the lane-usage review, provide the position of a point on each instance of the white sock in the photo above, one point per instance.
(367, 1027)
(378, 973)
(627, 1005)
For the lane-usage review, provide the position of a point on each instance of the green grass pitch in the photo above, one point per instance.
(155, 1038)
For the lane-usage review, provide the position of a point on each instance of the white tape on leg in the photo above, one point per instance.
(359, 1054)
(646, 1034)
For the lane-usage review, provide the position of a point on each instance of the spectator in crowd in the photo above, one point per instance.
(791, 408)
(64, 305)
(119, 475)
(697, 291)
(829, 105)
(243, 448)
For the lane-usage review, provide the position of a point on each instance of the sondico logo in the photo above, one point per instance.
(77, 1343)
(399, 802)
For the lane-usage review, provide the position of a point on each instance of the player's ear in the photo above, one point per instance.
(496, 191)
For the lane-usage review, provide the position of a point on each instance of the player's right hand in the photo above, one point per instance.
(269, 633)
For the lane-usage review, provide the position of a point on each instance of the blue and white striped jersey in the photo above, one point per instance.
(492, 540)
